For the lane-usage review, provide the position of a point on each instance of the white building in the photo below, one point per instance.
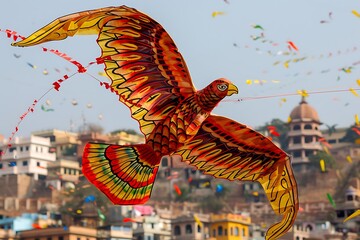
(304, 134)
(26, 155)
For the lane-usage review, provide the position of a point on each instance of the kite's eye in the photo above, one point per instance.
(222, 87)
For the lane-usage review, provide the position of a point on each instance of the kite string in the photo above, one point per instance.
(287, 95)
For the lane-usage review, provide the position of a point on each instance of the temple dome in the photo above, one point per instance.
(304, 111)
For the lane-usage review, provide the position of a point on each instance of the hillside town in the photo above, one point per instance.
(44, 195)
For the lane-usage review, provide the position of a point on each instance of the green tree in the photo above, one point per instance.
(314, 159)
(281, 127)
(351, 135)
(128, 131)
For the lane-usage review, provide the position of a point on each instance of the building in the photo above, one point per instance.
(190, 227)
(62, 172)
(63, 143)
(230, 226)
(60, 233)
(345, 208)
(19, 223)
(304, 134)
(152, 228)
(29, 156)
(115, 232)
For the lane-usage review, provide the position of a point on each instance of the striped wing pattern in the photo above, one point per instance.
(123, 173)
(147, 71)
(226, 149)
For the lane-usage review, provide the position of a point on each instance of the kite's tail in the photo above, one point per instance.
(281, 190)
(86, 23)
(126, 174)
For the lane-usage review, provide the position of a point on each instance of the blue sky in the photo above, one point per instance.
(206, 43)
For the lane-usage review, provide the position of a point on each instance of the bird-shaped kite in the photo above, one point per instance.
(150, 76)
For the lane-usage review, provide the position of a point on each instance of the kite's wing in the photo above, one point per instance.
(147, 71)
(229, 150)
(126, 174)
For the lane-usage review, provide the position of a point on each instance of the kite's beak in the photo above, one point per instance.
(232, 90)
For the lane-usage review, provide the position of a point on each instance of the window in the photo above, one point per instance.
(1, 166)
(297, 140)
(21, 149)
(27, 148)
(231, 231)
(12, 164)
(308, 127)
(296, 127)
(350, 198)
(340, 214)
(12, 149)
(188, 229)
(309, 228)
(38, 164)
(214, 232)
(243, 232)
(308, 139)
(309, 153)
(177, 230)
(225, 232)
(198, 228)
(236, 231)
(220, 230)
(297, 153)
(25, 163)
(152, 225)
(164, 162)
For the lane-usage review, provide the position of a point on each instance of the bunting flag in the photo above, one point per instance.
(197, 220)
(322, 165)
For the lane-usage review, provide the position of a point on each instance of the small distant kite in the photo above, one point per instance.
(46, 109)
(355, 13)
(217, 13)
(292, 45)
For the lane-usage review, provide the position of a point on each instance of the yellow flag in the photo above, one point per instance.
(349, 159)
(357, 122)
(358, 82)
(248, 81)
(326, 150)
(355, 214)
(286, 64)
(197, 220)
(216, 13)
(322, 165)
(303, 93)
(355, 13)
(353, 92)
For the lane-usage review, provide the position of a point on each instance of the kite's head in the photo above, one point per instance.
(223, 87)
(210, 96)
